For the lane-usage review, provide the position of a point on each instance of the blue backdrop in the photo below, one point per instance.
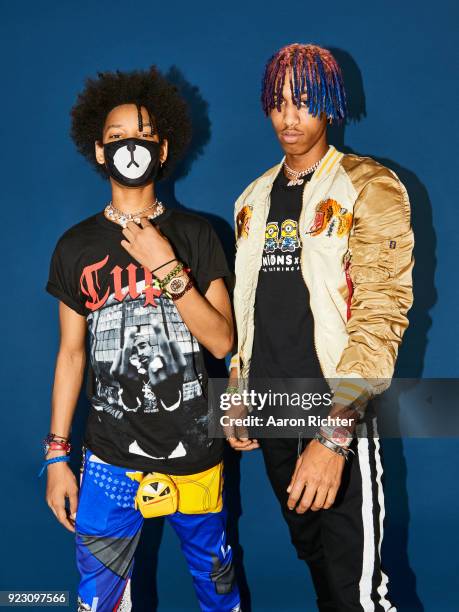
(400, 64)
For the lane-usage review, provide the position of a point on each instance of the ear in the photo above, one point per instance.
(163, 151)
(99, 150)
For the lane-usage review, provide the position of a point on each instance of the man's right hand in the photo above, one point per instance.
(61, 484)
(237, 436)
(243, 444)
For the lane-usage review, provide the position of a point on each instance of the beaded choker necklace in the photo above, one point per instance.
(123, 218)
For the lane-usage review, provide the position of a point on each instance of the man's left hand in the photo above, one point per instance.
(319, 469)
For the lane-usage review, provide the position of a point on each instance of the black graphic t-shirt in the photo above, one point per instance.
(144, 415)
(283, 345)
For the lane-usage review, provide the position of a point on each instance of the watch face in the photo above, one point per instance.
(176, 285)
(337, 435)
(341, 436)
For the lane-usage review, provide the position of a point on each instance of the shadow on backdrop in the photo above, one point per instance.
(199, 110)
(410, 363)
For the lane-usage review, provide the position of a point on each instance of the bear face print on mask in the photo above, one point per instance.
(132, 162)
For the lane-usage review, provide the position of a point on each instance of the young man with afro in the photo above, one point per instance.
(144, 284)
(323, 287)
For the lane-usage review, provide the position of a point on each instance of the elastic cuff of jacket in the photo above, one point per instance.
(355, 391)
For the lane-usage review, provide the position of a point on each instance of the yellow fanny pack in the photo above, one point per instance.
(162, 494)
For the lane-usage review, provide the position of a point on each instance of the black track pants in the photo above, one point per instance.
(341, 545)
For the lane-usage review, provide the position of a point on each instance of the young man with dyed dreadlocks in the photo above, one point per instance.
(145, 283)
(323, 287)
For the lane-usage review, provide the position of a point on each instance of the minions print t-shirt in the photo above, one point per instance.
(283, 344)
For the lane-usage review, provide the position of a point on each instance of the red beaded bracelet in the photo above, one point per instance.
(60, 446)
(52, 442)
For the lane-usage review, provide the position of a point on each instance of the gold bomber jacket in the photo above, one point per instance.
(356, 262)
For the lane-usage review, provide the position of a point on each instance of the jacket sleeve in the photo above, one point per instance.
(381, 262)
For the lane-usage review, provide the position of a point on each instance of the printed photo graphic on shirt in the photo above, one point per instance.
(282, 245)
(331, 218)
(243, 221)
(147, 366)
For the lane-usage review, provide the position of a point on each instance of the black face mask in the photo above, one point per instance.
(132, 162)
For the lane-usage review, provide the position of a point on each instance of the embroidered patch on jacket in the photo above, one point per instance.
(332, 218)
(243, 221)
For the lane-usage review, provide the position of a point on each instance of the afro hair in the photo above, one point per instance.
(147, 88)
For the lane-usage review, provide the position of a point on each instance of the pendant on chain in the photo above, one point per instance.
(294, 182)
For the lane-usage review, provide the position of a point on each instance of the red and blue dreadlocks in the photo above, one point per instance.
(312, 70)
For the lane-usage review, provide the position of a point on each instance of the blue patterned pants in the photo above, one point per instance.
(108, 529)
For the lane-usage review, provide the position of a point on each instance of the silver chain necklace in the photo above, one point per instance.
(298, 176)
(123, 218)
